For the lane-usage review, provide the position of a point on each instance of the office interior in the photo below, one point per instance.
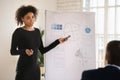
(107, 25)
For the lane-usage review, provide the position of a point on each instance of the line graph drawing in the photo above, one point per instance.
(80, 55)
(72, 29)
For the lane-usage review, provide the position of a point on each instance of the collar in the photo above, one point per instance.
(114, 66)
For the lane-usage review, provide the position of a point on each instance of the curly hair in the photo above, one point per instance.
(22, 11)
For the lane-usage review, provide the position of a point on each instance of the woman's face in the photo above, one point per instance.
(29, 19)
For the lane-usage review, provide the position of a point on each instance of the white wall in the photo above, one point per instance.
(8, 25)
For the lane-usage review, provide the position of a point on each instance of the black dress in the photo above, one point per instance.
(27, 66)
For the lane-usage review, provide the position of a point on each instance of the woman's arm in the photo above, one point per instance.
(51, 46)
(14, 44)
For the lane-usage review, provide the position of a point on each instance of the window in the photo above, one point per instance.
(107, 25)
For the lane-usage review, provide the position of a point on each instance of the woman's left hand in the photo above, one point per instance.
(62, 40)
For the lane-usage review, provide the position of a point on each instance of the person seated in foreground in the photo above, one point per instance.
(112, 70)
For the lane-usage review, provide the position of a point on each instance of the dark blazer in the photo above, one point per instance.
(107, 73)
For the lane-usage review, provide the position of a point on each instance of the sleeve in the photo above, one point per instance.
(47, 48)
(14, 44)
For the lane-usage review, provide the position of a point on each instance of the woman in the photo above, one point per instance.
(26, 41)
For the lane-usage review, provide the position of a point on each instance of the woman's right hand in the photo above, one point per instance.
(29, 52)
